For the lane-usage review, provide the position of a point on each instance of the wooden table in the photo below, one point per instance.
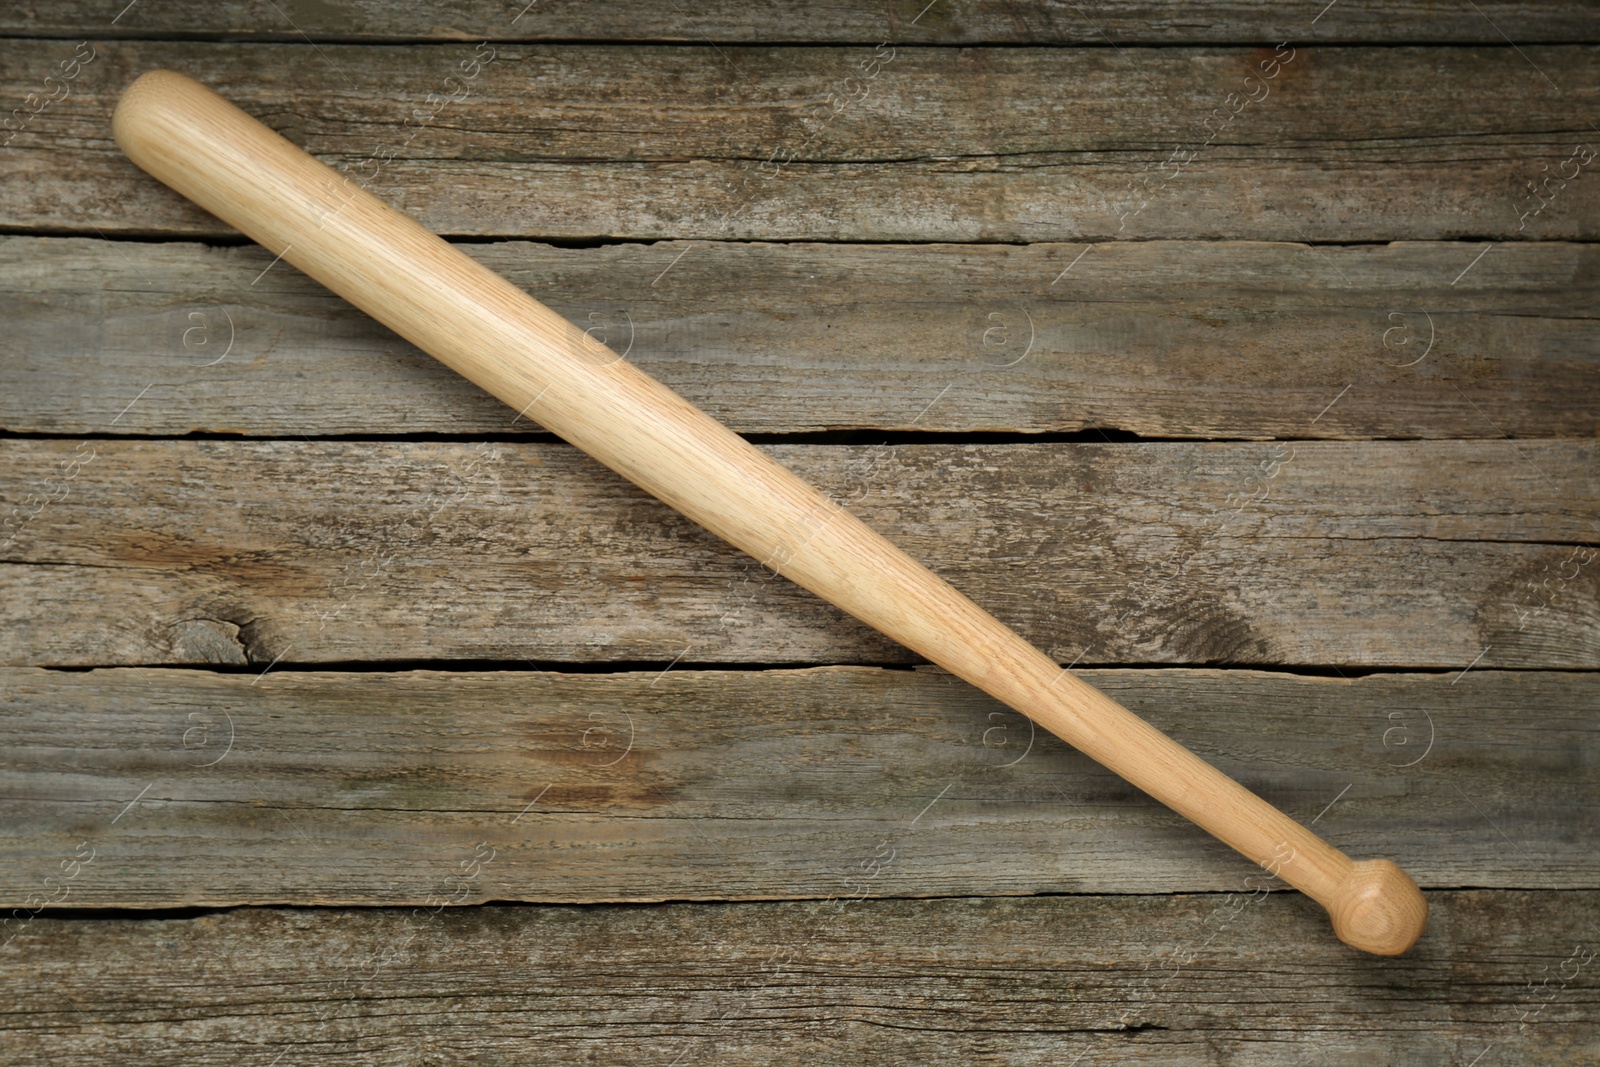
(347, 714)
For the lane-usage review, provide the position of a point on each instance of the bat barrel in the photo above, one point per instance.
(522, 352)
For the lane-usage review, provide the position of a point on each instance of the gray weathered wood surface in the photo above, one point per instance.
(1160, 338)
(1391, 553)
(1204, 980)
(296, 664)
(1008, 144)
(1121, 22)
(328, 787)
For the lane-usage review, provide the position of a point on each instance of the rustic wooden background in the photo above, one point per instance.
(346, 714)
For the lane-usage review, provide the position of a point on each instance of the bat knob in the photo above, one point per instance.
(1378, 909)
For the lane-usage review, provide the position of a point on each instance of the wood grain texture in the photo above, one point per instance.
(1354, 553)
(1207, 980)
(1009, 144)
(1369, 144)
(910, 21)
(195, 788)
(539, 362)
(1258, 341)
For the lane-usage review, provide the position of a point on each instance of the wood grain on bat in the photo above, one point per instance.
(488, 330)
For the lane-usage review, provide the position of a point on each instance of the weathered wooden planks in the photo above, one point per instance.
(911, 21)
(131, 551)
(1235, 339)
(1010, 144)
(1206, 980)
(190, 787)
(383, 784)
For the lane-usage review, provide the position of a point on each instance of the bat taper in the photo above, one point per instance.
(493, 333)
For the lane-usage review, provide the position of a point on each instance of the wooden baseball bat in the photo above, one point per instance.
(493, 333)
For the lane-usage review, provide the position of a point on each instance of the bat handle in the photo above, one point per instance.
(1374, 905)
(493, 333)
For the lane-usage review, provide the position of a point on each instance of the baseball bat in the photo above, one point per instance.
(490, 331)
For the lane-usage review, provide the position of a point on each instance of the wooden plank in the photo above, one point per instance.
(1408, 553)
(910, 21)
(1202, 980)
(1008, 144)
(1159, 338)
(195, 788)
